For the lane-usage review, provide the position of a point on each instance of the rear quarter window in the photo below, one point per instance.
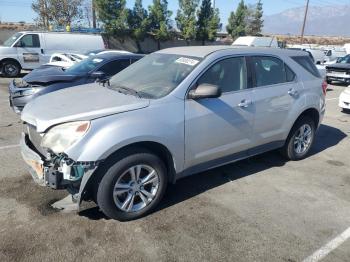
(307, 64)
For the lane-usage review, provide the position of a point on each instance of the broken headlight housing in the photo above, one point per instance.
(61, 137)
(20, 83)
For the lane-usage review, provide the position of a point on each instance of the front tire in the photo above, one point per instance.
(11, 69)
(132, 187)
(300, 139)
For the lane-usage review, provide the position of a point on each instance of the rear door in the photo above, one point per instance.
(275, 93)
(29, 51)
(218, 130)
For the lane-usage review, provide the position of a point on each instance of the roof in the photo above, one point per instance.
(115, 55)
(58, 32)
(203, 51)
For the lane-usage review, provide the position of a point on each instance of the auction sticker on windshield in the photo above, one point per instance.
(187, 61)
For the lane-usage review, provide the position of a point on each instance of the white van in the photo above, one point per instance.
(29, 50)
(256, 41)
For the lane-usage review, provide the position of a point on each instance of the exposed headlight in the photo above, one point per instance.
(20, 83)
(61, 137)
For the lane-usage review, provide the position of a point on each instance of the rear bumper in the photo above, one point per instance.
(338, 78)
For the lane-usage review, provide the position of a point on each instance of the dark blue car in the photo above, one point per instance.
(49, 79)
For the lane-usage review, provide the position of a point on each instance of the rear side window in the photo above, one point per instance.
(307, 64)
(271, 71)
(114, 67)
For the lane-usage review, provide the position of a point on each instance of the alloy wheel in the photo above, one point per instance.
(136, 188)
(303, 139)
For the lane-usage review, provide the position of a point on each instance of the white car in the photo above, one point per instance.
(344, 99)
(65, 60)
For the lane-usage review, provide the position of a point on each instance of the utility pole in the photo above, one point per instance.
(93, 14)
(214, 4)
(304, 23)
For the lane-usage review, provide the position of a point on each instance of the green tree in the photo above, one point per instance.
(159, 16)
(186, 18)
(138, 23)
(208, 22)
(113, 15)
(255, 23)
(59, 12)
(237, 21)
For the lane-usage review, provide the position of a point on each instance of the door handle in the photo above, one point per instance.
(245, 103)
(42, 51)
(293, 92)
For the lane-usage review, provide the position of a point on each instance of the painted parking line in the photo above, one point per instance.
(330, 99)
(8, 147)
(329, 247)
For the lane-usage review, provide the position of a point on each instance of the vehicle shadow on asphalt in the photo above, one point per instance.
(19, 76)
(192, 186)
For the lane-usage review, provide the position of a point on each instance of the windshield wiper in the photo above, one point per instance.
(126, 89)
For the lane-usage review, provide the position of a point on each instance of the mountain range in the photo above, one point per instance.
(321, 21)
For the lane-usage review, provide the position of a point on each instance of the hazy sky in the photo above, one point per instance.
(20, 10)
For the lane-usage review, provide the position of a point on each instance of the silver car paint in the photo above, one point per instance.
(178, 123)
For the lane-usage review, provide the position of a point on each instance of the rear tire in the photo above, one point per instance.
(125, 181)
(300, 139)
(11, 68)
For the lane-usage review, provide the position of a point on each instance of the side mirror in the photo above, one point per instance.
(98, 75)
(205, 91)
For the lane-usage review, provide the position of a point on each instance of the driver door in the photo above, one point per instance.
(29, 51)
(218, 130)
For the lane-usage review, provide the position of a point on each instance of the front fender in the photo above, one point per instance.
(161, 123)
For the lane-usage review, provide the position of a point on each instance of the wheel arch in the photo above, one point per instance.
(313, 113)
(156, 148)
(9, 60)
(2, 61)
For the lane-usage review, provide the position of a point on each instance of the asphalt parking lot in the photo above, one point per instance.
(260, 209)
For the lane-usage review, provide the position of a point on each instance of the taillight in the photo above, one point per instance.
(324, 87)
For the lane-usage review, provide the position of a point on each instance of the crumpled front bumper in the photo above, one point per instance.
(34, 161)
(54, 172)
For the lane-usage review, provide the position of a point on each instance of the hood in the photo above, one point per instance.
(339, 66)
(86, 102)
(49, 75)
(5, 50)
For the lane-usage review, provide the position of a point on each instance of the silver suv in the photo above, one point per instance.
(174, 113)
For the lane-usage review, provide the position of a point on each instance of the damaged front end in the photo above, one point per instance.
(55, 170)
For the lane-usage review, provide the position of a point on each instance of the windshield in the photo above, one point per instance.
(344, 60)
(85, 66)
(12, 39)
(155, 75)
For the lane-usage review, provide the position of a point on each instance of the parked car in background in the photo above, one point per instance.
(344, 100)
(29, 50)
(340, 71)
(172, 114)
(64, 60)
(46, 80)
(332, 55)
